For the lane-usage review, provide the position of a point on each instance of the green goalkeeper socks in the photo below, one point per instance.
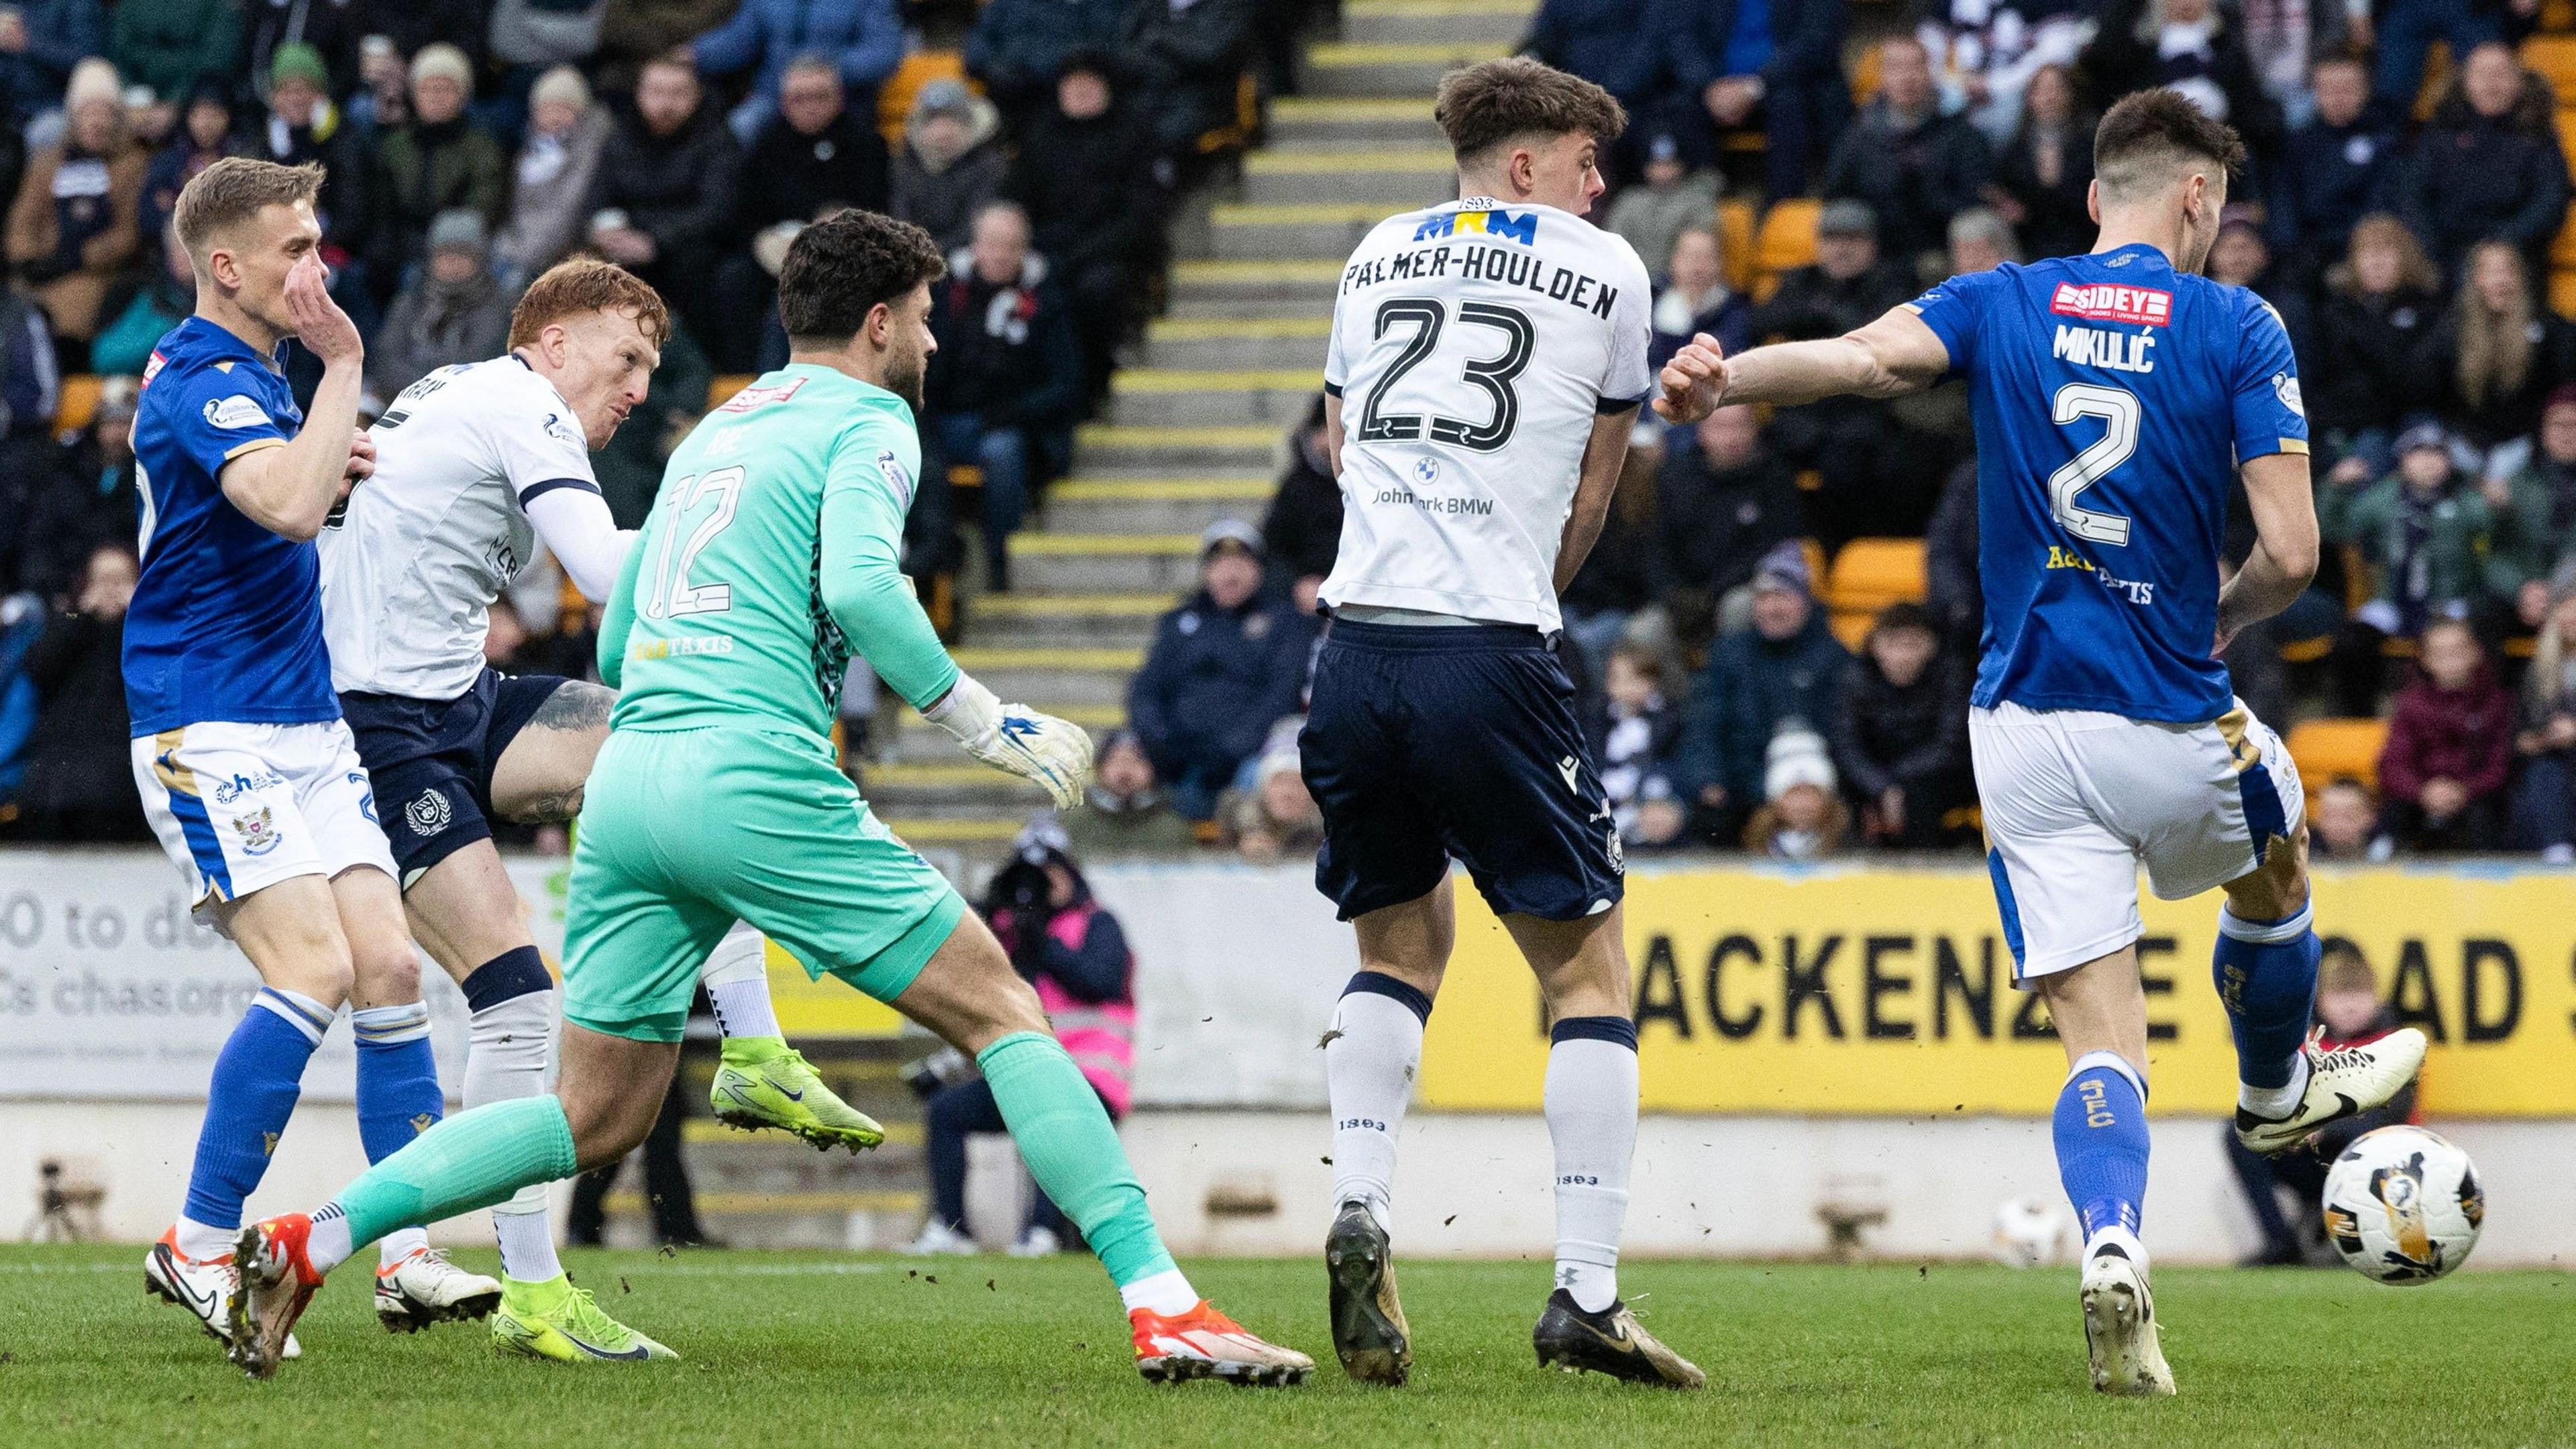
(1066, 1138)
(471, 1160)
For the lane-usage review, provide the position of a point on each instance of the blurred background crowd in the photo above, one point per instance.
(1774, 638)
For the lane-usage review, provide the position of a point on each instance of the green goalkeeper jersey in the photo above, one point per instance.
(773, 553)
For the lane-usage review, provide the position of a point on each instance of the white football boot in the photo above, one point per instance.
(2344, 1082)
(203, 1286)
(424, 1288)
(2120, 1325)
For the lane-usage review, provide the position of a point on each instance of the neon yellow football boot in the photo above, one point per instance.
(556, 1320)
(764, 1082)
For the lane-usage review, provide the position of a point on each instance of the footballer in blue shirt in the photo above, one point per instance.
(251, 781)
(2114, 396)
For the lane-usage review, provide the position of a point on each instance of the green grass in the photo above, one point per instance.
(830, 1349)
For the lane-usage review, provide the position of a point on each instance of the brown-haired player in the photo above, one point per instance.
(1487, 359)
(475, 465)
(769, 562)
(2115, 394)
(248, 774)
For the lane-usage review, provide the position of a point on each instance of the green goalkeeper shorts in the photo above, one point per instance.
(683, 832)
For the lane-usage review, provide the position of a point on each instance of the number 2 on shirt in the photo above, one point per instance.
(2118, 410)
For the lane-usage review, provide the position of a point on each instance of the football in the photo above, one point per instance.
(2403, 1205)
(2028, 1233)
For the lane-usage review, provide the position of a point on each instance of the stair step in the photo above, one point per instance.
(960, 829)
(1105, 562)
(1254, 290)
(1319, 231)
(1172, 396)
(1499, 22)
(1108, 447)
(1389, 180)
(1108, 621)
(944, 785)
(1297, 122)
(1238, 341)
(1392, 68)
(1155, 505)
(1080, 675)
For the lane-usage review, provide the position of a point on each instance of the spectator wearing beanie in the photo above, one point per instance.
(455, 313)
(662, 203)
(439, 160)
(173, 45)
(951, 162)
(863, 39)
(1802, 816)
(552, 177)
(71, 231)
(1005, 386)
(2425, 530)
(1782, 669)
(1224, 667)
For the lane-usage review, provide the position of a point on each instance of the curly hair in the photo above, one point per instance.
(2149, 135)
(842, 268)
(1485, 105)
(586, 284)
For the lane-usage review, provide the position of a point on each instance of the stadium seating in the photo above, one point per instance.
(1867, 576)
(894, 98)
(1734, 244)
(78, 404)
(2327, 750)
(2554, 57)
(1786, 242)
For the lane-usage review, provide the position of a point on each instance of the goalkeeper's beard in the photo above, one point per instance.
(903, 379)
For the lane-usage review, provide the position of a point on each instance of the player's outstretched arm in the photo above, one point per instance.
(867, 595)
(1890, 357)
(617, 620)
(291, 490)
(583, 536)
(2285, 543)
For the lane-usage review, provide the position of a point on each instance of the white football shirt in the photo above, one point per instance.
(1474, 344)
(410, 568)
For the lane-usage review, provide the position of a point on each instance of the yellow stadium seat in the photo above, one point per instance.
(2327, 750)
(1864, 77)
(79, 402)
(2562, 291)
(1872, 573)
(1787, 240)
(1735, 243)
(1850, 630)
(2562, 248)
(1813, 553)
(2554, 56)
(2437, 79)
(721, 391)
(894, 98)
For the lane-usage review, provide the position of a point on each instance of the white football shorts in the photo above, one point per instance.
(2076, 800)
(243, 806)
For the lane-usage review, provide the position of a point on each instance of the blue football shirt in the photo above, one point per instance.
(226, 622)
(2113, 399)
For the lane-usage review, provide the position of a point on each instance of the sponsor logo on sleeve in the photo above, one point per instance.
(235, 413)
(2111, 302)
(2287, 388)
(895, 476)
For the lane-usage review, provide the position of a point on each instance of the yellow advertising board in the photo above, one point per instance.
(1889, 992)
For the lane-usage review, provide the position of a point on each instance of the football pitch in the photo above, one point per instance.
(789, 1348)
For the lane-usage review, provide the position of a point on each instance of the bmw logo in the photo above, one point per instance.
(1426, 470)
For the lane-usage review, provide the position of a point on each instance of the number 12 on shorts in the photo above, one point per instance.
(672, 595)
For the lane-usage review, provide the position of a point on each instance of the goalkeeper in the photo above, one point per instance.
(771, 555)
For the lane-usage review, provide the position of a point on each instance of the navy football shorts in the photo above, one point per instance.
(1425, 742)
(432, 760)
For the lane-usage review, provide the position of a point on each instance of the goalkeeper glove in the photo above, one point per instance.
(1016, 738)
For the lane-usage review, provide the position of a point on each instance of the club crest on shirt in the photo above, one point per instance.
(257, 831)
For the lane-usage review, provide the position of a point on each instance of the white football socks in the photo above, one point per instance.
(1167, 1293)
(737, 980)
(1591, 1105)
(399, 1244)
(1370, 1057)
(505, 1058)
(199, 1242)
(2275, 1104)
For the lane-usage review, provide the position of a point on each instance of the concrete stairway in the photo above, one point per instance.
(1196, 424)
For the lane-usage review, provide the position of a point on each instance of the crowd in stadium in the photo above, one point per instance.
(1753, 678)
